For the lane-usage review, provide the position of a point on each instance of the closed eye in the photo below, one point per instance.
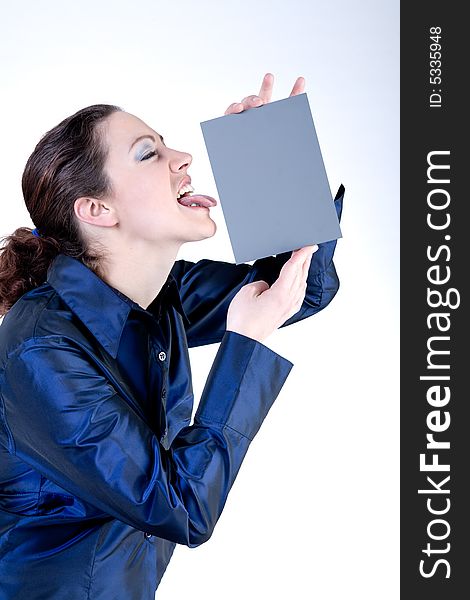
(149, 155)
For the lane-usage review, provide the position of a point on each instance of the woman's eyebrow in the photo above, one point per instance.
(141, 137)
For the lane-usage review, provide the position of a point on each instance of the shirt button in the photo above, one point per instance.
(148, 536)
(163, 393)
(162, 355)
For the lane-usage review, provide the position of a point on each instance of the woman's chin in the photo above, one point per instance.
(212, 228)
(203, 230)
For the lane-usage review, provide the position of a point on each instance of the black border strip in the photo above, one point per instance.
(434, 271)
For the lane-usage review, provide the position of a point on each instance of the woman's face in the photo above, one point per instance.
(146, 175)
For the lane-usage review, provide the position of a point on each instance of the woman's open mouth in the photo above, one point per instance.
(195, 201)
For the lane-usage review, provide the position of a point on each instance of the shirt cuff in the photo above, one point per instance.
(243, 383)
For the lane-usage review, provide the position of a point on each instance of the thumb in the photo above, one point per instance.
(259, 286)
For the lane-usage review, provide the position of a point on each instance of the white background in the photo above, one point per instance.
(314, 512)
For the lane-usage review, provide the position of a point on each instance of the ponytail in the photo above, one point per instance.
(24, 261)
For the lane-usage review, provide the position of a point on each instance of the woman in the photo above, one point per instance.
(101, 473)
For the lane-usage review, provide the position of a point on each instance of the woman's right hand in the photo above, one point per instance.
(257, 309)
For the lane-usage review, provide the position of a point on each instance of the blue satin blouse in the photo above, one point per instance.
(101, 472)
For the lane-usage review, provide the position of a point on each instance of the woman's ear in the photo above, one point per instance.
(95, 212)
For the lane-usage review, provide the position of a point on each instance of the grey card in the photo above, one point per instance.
(270, 178)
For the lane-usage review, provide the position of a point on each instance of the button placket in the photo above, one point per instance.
(162, 357)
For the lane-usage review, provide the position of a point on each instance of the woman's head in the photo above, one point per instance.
(142, 209)
(89, 191)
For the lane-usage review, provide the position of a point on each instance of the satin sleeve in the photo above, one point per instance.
(207, 287)
(65, 419)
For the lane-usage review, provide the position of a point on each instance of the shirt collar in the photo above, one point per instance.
(102, 308)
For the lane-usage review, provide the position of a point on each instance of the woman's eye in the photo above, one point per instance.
(149, 155)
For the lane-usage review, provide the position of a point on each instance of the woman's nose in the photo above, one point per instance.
(182, 159)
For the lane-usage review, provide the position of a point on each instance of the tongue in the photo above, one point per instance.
(206, 201)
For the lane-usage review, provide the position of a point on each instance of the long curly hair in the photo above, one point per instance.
(67, 163)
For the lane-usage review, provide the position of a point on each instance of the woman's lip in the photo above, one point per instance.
(195, 207)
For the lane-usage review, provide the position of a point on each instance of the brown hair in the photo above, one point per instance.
(67, 163)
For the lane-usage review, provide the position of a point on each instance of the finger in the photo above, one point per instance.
(290, 273)
(300, 298)
(299, 86)
(308, 262)
(266, 89)
(235, 107)
(250, 101)
(263, 97)
(306, 253)
(257, 287)
(306, 267)
(306, 250)
(299, 295)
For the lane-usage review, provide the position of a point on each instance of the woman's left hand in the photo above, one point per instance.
(264, 95)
